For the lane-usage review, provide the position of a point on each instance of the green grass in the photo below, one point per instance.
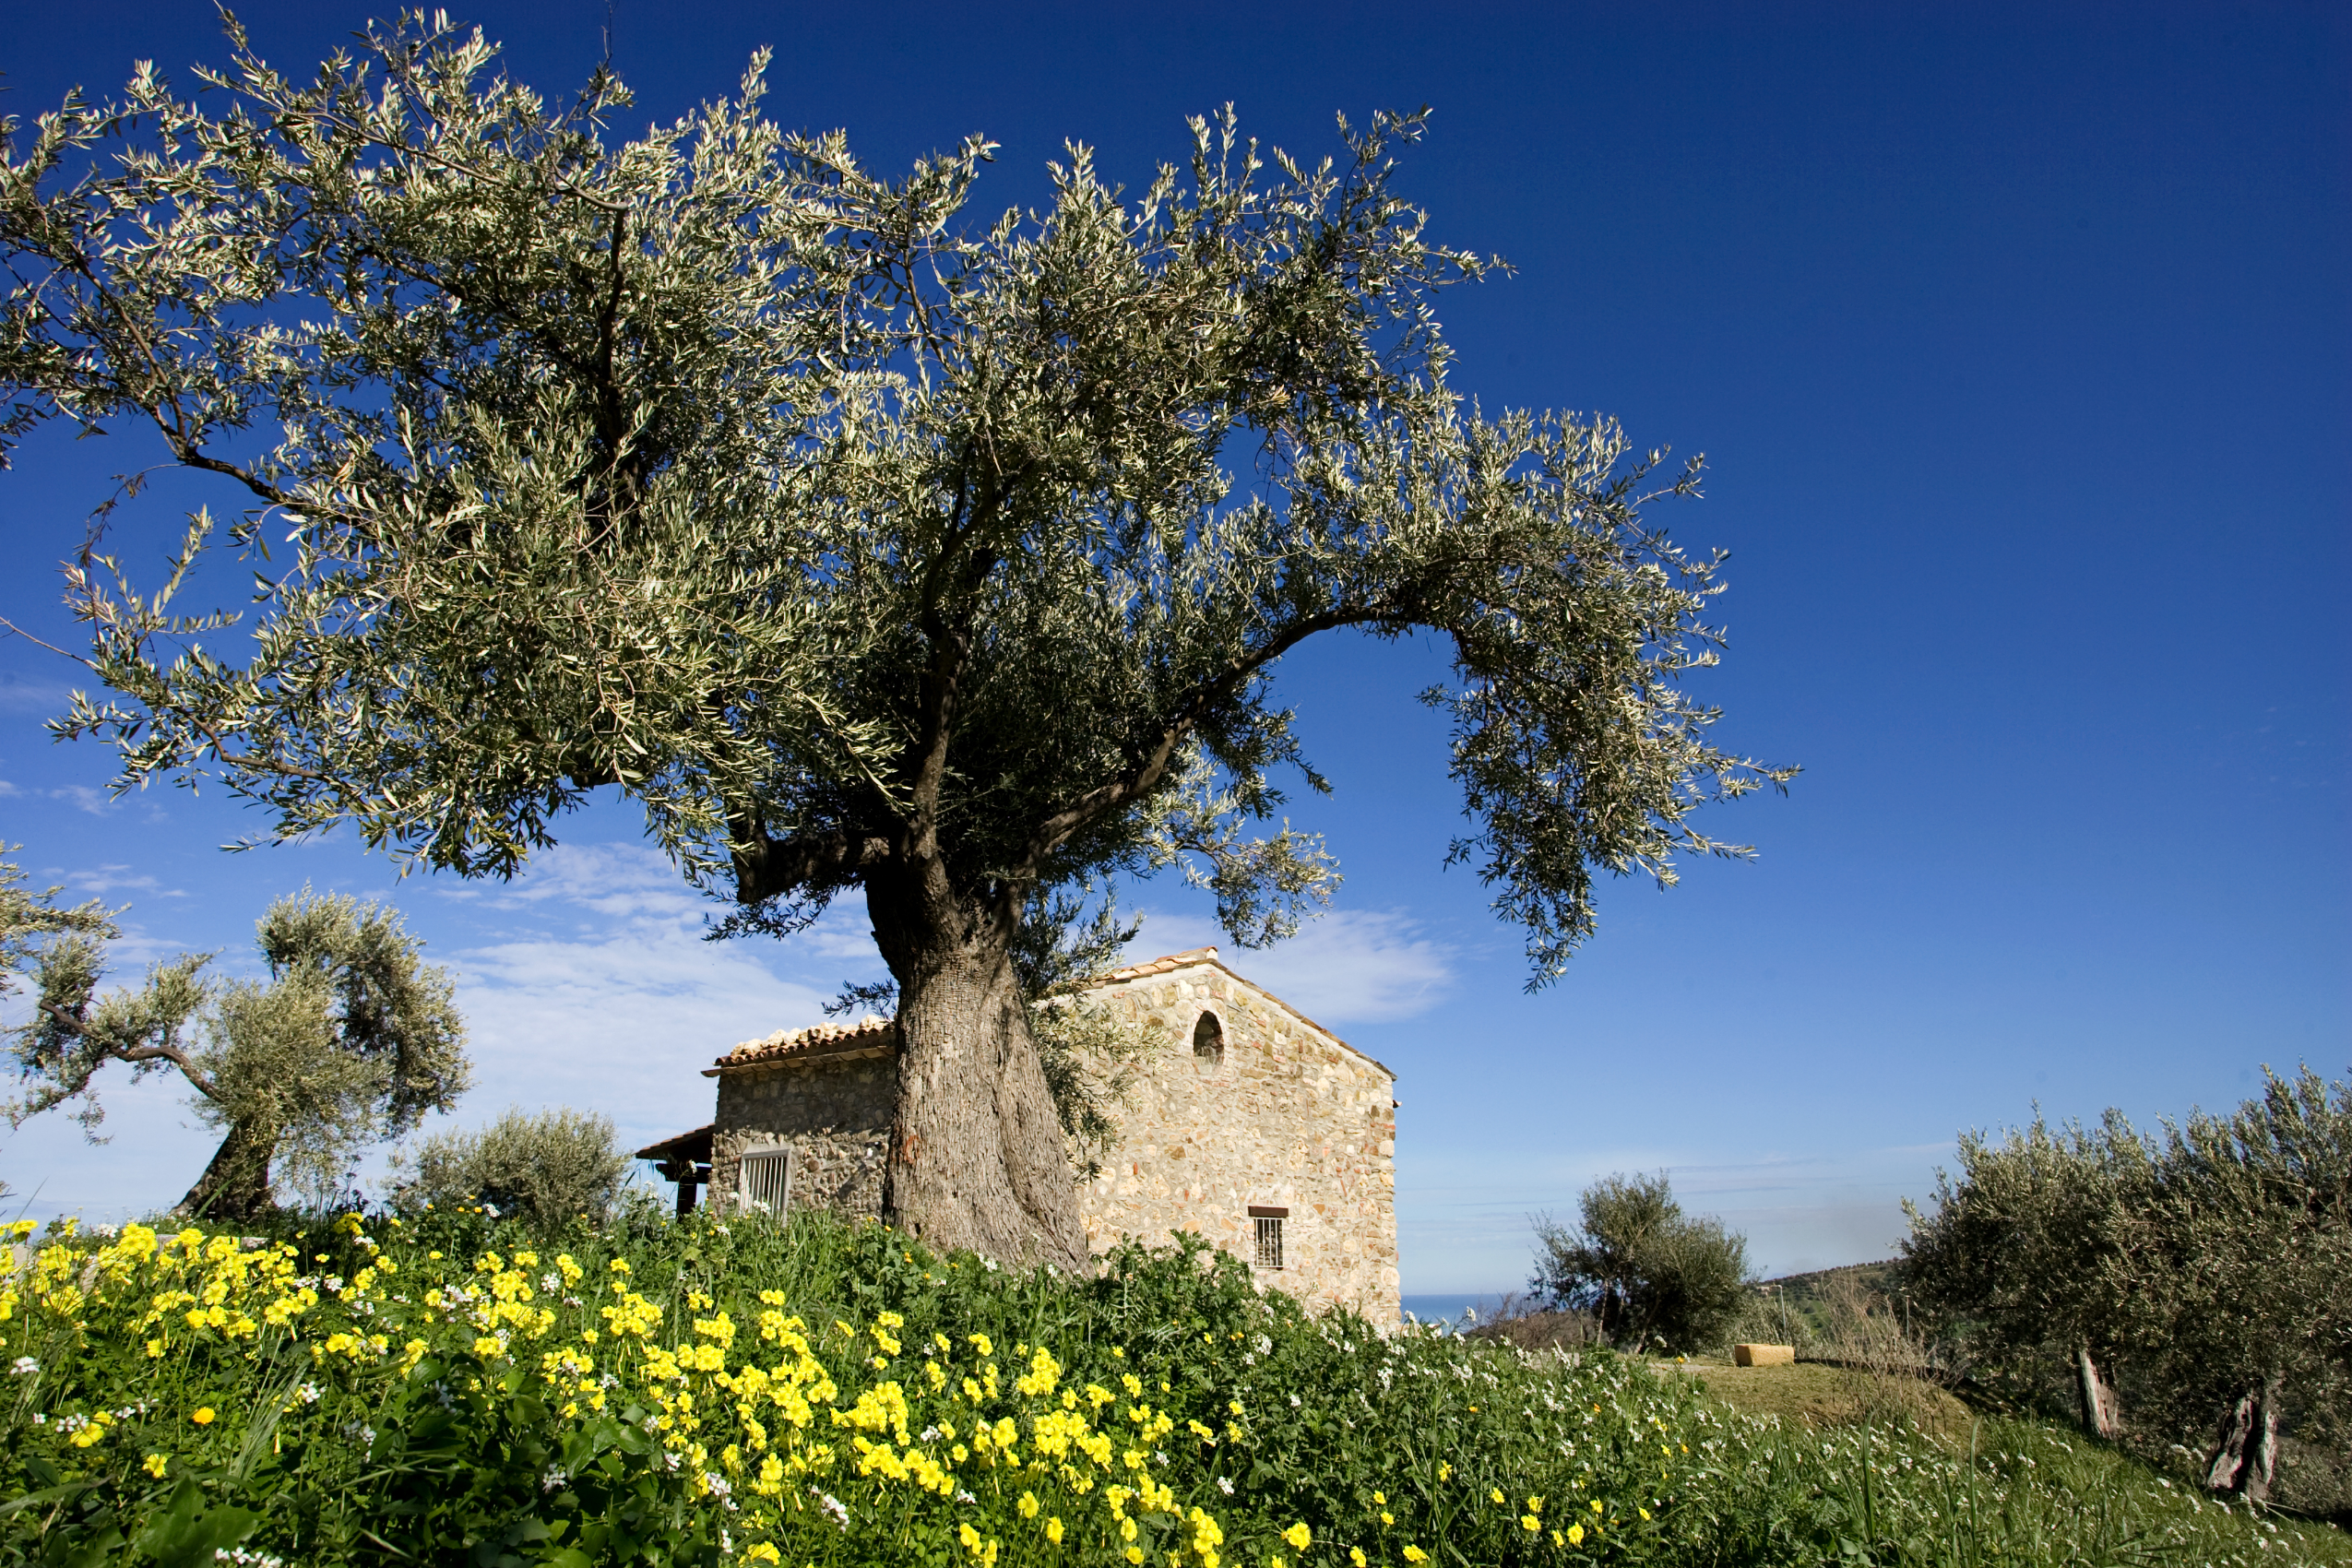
(461, 1391)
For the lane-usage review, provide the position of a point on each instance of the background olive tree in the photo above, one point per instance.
(867, 543)
(545, 1166)
(1650, 1275)
(351, 1039)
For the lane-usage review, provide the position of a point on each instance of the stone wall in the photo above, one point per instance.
(833, 1112)
(1286, 1117)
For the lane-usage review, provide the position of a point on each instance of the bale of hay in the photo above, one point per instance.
(1764, 1355)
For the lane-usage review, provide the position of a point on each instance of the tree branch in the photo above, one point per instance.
(766, 867)
(162, 1052)
(1161, 749)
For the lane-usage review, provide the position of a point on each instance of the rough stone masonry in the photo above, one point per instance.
(1250, 1126)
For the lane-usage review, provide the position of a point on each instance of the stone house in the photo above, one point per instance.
(1250, 1125)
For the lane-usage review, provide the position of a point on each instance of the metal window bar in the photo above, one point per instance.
(1269, 1240)
(764, 1181)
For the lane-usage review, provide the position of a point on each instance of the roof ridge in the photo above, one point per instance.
(784, 1042)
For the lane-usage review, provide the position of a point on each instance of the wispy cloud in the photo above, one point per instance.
(101, 881)
(619, 1006)
(20, 696)
(621, 1023)
(1350, 966)
(98, 803)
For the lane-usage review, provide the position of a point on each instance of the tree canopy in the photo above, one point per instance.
(864, 542)
(1647, 1272)
(2207, 1270)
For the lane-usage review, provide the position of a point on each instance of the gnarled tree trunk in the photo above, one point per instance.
(2101, 1417)
(235, 1186)
(977, 1158)
(2245, 1456)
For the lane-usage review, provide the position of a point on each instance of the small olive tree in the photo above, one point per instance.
(545, 1166)
(351, 1039)
(1646, 1271)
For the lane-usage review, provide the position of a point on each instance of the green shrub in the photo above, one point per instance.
(545, 1167)
(1648, 1274)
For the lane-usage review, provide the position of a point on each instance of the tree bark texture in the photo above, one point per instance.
(235, 1186)
(977, 1158)
(2101, 1417)
(2245, 1456)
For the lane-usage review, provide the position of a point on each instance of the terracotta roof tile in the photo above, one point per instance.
(686, 1145)
(1159, 965)
(820, 1041)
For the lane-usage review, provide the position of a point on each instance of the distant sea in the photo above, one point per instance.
(1449, 1309)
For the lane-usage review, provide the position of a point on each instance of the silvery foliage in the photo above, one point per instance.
(2194, 1261)
(549, 1166)
(827, 521)
(351, 1038)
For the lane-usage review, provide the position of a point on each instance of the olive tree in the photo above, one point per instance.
(351, 1039)
(2206, 1272)
(546, 1166)
(1647, 1271)
(2024, 1248)
(869, 546)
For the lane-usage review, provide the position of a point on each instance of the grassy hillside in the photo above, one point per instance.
(457, 1390)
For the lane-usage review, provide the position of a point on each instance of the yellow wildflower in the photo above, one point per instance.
(202, 1415)
(1356, 1556)
(1415, 1554)
(1053, 1530)
(1298, 1536)
(1575, 1535)
(154, 1463)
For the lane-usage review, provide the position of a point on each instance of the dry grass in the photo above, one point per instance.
(1825, 1396)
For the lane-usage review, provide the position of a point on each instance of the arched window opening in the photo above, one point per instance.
(1208, 1044)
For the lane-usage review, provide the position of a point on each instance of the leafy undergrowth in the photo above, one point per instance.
(456, 1390)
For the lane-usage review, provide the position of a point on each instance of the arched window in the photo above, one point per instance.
(1208, 1044)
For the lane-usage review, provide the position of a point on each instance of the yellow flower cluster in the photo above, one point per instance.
(768, 1419)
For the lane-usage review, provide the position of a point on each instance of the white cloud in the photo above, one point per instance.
(621, 1011)
(20, 696)
(1349, 967)
(98, 803)
(101, 881)
(622, 1025)
(9, 790)
(620, 881)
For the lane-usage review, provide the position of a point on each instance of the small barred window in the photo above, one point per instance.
(1268, 1223)
(764, 1181)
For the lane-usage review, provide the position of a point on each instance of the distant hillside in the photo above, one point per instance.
(1819, 1303)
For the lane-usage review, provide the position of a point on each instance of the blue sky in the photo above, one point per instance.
(2017, 339)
